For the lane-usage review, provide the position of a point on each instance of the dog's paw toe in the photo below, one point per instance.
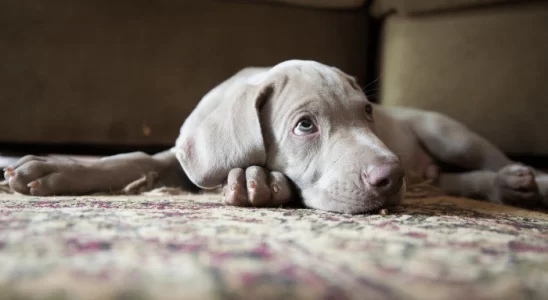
(517, 177)
(515, 184)
(22, 176)
(41, 176)
(235, 191)
(256, 186)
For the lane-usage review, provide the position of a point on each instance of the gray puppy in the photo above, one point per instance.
(305, 129)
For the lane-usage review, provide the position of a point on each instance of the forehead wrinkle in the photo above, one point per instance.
(283, 114)
(321, 75)
(281, 87)
(301, 84)
(331, 79)
(280, 105)
(281, 84)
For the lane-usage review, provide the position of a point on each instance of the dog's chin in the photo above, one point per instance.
(317, 199)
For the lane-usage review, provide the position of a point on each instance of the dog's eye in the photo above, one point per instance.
(305, 126)
(369, 112)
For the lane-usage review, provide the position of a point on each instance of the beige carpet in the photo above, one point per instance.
(165, 246)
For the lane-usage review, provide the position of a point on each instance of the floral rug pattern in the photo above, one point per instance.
(163, 245)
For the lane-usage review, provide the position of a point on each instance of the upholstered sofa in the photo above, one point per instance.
(128, 72)
(484, 63)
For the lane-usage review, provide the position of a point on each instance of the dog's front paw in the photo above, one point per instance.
(515, 185)
(44, 176)
(256, 186)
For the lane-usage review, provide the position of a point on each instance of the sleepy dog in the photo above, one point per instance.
(304, 130)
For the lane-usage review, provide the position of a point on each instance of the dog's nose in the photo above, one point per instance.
(385, 178)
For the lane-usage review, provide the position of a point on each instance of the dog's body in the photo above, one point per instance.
(302, 128)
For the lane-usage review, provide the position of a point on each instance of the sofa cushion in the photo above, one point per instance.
(487, 68)
(328, 4)
(129, 72)
(405, 7)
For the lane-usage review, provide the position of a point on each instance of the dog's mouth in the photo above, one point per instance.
(375, 206)
(361, 203)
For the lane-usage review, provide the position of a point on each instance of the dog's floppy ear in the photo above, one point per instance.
(223, 133)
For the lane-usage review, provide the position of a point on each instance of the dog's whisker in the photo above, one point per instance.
(367, 93)
(372, 82)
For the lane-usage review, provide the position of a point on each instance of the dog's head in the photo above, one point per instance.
(307, 120)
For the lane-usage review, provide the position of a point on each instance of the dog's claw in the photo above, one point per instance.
(9, 172)
(33, 184)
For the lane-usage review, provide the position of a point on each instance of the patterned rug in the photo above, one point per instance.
(164, 245)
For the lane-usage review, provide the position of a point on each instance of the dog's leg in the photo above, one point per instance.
(514, 184)
(44, 176)
(453, 143)
(493, 175)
